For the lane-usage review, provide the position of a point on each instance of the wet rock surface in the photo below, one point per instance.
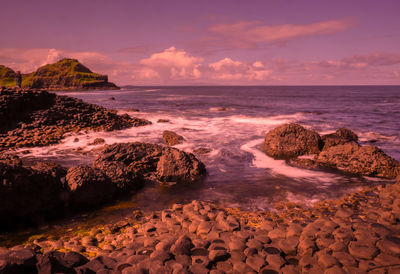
(166, 164)
(26, 191)
(38, 118)
(291, 140)
(338, 236)
(171, 138)
(339, 150)
(45, 189)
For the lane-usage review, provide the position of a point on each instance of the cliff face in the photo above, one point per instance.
(66, 74)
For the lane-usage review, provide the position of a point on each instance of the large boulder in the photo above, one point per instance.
(171, 138)
(88, 186)
(123, 162)
(179, 167)
(364, 160)
(291, 140)
(340, 137)
(29, 192)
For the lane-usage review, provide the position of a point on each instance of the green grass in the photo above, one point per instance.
(65, 68)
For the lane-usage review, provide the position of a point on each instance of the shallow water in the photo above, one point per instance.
(232, 122)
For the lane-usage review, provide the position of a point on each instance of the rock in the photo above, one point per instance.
(340, 137)
(162, 121)
(38, 118)
(202, 150)
(124, 162)
(390, 245)
(182, 246)
(364, 160)
(362, 250)
(178, 166)
(219, 254)
(97, 141)
(56, 262)
(27, 192)
(256, 262)
(89, 186)
(291, 140)
(171, 138)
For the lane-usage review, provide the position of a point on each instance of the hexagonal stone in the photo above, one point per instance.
(217, 255)
(241, 267)
(203, 228)
(275, 261)
(362, 251)
(344, 258)
(256, 262)
(390, 245)
(237, 245)
(289, 245)
(326, 260)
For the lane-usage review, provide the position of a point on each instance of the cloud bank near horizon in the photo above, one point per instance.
(174, 66)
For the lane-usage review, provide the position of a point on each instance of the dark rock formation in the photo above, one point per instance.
(27, 191)
(291, 140)
(171, 138)
(340, 137)
(364, 160)
(122, 162)
(178, 166)
(97, 141)
(88, 186)
(340, 151)
(38, 118)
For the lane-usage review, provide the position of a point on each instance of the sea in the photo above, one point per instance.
(232, 121)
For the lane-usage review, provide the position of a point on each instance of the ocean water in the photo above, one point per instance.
(232, 122)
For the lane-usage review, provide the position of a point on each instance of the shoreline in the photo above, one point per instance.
(325, 237)
(202, 237)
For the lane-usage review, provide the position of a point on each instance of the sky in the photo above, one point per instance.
(219, 42)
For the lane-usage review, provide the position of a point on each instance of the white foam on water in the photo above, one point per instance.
(261, 160)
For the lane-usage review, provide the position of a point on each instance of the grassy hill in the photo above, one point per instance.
(66, 74)
(7, 76)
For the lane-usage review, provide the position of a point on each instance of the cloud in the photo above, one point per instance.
(173, 64)
(245, 34)
(227, 69)
(378, 59)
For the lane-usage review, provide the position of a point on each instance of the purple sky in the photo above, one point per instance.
(209, 42)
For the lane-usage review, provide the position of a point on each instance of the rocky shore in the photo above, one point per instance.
(357, 234)
(38, 118)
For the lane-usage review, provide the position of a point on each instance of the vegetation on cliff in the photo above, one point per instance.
(64, 74)
(7, 76)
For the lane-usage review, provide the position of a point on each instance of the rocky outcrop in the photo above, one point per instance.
(340, 150)
(89, 186)
(27, 191)
(66, 74)
(171, 138)
(364, 160)
(39, 118)
(178, 166)
(356, 234)
(122, 161)
(340, 137)
(45, 189)
(291, 140)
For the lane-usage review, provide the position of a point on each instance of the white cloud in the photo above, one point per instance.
(227, 69)
(173, 64)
